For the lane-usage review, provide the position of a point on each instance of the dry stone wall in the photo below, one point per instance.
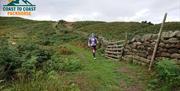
(143, 46)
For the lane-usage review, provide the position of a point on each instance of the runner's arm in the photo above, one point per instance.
(89, 42)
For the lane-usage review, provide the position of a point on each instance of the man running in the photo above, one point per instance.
(92, 42)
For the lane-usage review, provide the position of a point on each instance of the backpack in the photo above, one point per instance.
(93, 41)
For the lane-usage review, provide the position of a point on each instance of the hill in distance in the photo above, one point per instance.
(110, 30)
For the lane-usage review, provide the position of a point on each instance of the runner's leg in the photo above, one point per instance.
(94, 51)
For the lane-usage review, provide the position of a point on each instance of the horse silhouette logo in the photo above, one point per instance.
(19, 3)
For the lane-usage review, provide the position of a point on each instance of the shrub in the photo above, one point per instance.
(29, 66)
(65, 51)
(52, 75)
(153, 83)
(55, 38)
(42, 55)
(81, 44)
(57, 63)
(101, 50)
(21, 60)
(1, 84)
(27, 46)
(33, 60)
(46, 38)
(71, 65)
(9, 59)
(168, 73)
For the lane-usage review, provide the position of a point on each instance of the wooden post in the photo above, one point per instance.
(157, 42)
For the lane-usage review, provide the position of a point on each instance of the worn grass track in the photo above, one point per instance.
(108, 75)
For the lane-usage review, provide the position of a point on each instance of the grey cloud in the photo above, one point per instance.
(107, 10)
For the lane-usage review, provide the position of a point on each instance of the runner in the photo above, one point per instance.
(92, 42)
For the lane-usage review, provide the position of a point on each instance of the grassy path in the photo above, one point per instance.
(106, 75)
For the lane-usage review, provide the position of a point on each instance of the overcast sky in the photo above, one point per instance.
(106, 10)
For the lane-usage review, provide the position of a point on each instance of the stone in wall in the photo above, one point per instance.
(143, 46)
(175, 55)
(136, 38)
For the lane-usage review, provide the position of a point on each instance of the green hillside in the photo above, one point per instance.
(18, 29)
(117, 30)
(44, 56)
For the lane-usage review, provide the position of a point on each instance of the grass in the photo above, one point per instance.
(117, 30)
(107, 75)
(95, 75)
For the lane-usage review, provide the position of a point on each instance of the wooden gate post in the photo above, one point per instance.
(157, 42)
